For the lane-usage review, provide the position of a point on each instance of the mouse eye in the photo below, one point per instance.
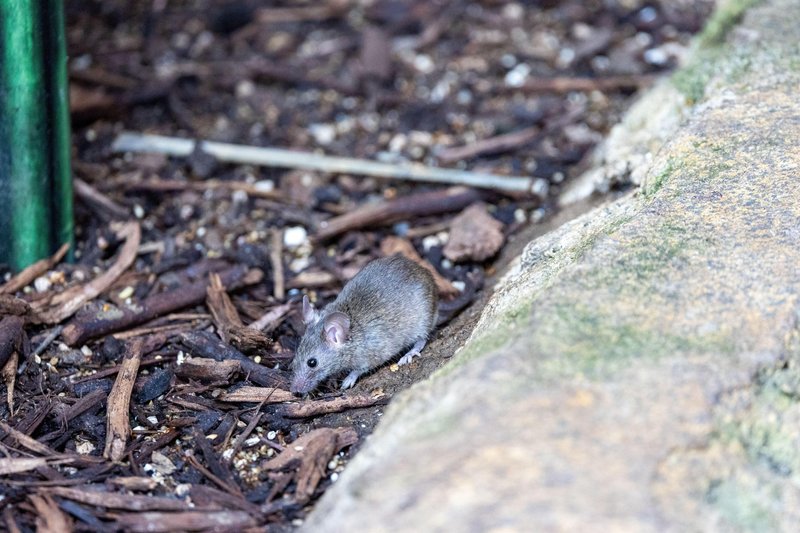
(312, 362)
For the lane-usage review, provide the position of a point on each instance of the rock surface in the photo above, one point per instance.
(637, 370)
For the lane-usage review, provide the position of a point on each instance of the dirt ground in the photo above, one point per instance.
(510, 88)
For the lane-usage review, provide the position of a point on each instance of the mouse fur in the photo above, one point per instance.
(389, 306)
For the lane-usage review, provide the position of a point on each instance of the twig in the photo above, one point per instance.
(275, 157)
(49, 517)
(34, 271)
(568, 84)
(163, 522)
(492, 145)
(421, 204)
(91, 195)
(159, 185)
(276, 259)
(334, 405)
(269, 320)
(271, 15)
(63, 305)
(48, 340)
(226, 318)
(204, 344)
(263, 395)
(104, 498)
(82, 329)
(119, 400)
(207, 369)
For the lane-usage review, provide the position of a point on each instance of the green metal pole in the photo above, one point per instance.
(35, 179)
(58, 97)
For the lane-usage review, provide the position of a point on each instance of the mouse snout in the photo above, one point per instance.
(300, 386)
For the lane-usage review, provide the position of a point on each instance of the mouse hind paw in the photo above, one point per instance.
(413, 352)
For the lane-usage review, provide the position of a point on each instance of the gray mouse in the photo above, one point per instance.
(389, 306)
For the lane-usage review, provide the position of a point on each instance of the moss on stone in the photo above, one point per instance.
(652, 186)
(722, 21)
(594, 341)
(692, 79)
(505, 327)
(742, 507)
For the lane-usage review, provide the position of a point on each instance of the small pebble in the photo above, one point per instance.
(324, 134)
(430, 241)
(271, 435)
(85, 350)
(540, 187)
(84, 448)
(42, 284)
(516, 76)
(239, 197)
(138, 211)
(508, 60)
(423, 63)
(126, 293)
(294, 236)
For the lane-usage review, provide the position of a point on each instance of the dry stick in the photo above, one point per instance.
(567, 84)
(204, 344)
(276, 259)
(421, 204)
(237, 444)
(63, 305)
(9, 375)
(207, 370)
(509, 141)
(78, 408)
(159, 185)
(492, 145)
(103, 498)
(164, 522)
(92, 196)
(82, 329)
(221, 474)
(222, 310)
(269, 320)
(49, 517)
(34, 271)
(25, 441)
(226, 318)
(11, 305)
(100, 374)
(118, 428)
(272, 15)
(335, 405)
(275, 157)
(263, 395)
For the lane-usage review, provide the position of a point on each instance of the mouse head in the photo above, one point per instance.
(317, 356)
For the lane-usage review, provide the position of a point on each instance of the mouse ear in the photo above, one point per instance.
(337, 327)
(309, 313)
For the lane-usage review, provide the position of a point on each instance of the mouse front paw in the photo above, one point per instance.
(350, 380)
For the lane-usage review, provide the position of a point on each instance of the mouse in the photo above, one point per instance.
(389, 307)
